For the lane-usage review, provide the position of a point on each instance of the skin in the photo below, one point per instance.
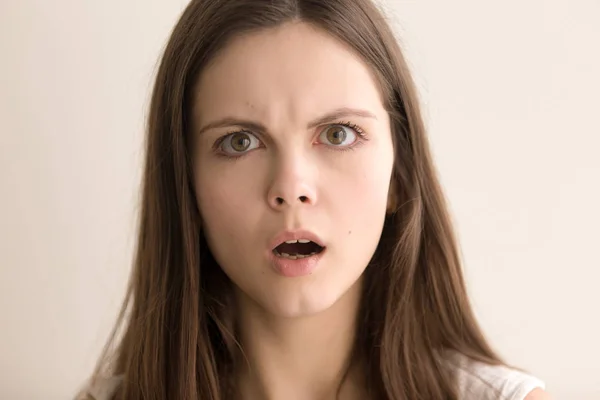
(296, 332)
(538, 394)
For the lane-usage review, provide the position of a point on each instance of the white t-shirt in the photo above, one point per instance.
(476, 381)
(492, 382)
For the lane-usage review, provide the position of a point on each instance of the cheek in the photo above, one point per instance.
(359, 202)
(223, 201)
(364, 210)
(363, 189)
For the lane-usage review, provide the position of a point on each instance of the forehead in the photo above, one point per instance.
(294, 70)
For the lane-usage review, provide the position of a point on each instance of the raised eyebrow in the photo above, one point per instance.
(340, 113)
(255, 126)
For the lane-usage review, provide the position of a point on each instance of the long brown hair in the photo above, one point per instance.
(174, 337)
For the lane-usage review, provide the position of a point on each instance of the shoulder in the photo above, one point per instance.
(475, 380)
(99, 388)
(538, 394)
(495, 382)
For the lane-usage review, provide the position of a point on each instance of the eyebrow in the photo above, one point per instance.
(335, 115)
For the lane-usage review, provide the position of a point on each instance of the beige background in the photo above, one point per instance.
(511, 97)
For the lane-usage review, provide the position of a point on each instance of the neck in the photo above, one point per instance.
(303, 358)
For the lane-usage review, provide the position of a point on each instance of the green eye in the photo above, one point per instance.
(239, 142)
(338, 135)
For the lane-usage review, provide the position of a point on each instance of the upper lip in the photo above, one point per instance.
(295, 235)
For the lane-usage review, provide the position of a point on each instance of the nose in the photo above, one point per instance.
(292, 184)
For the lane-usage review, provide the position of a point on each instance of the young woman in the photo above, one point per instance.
(294, 242)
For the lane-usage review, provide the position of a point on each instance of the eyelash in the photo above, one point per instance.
(360, 132)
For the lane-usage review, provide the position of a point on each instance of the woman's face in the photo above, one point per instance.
(273, 162)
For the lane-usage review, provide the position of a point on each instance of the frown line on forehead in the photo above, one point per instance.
(335, 115)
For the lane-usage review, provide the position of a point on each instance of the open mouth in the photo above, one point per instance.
(297, 249)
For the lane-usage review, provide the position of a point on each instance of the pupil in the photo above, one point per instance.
(336, 135)
(240, 142)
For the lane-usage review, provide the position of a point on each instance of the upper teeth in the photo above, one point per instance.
(297, 241)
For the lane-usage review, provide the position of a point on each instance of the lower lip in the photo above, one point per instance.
(295, 268)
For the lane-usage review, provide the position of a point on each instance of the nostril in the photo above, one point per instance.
(280, 200)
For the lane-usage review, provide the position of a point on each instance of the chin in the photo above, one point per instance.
(305, 299)
(299, 306)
